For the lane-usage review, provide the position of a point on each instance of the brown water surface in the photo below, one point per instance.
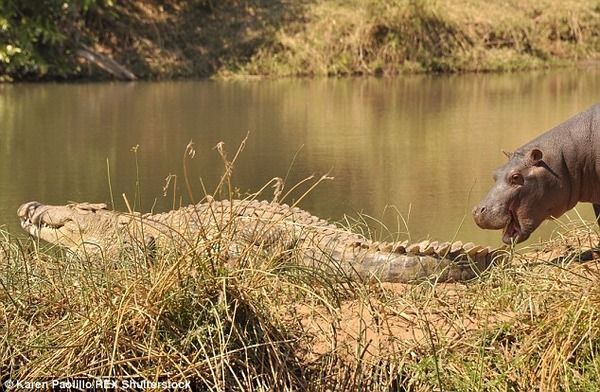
(423, 147)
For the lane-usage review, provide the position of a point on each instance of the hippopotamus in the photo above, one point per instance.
(545, 178)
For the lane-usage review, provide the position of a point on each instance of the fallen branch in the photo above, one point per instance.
(105, 63)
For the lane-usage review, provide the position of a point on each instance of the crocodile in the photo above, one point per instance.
(251, 225)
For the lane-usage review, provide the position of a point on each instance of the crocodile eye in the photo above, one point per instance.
(517, 179)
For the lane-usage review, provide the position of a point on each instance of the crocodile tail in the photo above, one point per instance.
(441, 262)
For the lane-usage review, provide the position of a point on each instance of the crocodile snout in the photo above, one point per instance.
(27, 210)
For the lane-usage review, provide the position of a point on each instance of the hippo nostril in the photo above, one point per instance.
(478, 211)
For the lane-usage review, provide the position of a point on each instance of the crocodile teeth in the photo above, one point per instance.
(43, 225)
(443, 248)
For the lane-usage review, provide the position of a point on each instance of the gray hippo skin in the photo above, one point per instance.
(545, 178)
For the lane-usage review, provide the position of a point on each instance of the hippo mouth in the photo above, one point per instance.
(513, 232)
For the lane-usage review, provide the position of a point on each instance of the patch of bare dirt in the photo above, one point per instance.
(395, 321)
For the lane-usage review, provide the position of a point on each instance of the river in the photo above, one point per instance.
(408, 156)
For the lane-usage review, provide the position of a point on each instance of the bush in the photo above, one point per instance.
(39, 35)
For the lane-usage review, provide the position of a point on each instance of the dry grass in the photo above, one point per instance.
(267, 324)
(247, 38)
(393, 36)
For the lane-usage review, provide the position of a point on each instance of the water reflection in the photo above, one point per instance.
(425, 145)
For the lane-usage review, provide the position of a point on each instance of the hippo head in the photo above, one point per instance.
(527, 191)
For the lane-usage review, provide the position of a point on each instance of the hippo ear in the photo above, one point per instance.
(535, 156)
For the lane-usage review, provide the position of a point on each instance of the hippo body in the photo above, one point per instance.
(545, 178)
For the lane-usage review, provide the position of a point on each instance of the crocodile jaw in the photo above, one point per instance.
(37, 222)
(69, 226)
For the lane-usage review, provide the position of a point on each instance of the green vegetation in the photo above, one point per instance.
(203, 38)
(38, 37)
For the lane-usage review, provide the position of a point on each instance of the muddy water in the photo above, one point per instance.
(415, 153)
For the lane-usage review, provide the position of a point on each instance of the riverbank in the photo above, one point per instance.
(266, 324)
(278, 38)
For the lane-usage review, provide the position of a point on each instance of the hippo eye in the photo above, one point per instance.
(517, 179)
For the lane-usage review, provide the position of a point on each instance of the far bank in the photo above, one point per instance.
(97, 39)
